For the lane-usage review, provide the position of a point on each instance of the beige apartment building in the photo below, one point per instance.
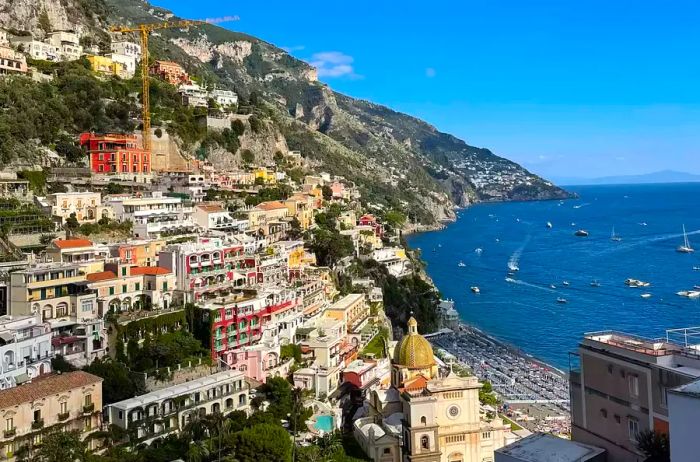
(352, 309)
(621, 387)
(70, 401)
(87, 206)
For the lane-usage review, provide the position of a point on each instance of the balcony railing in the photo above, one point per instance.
(89, 408)
(10, 433)
(63, 416)
(37, 424)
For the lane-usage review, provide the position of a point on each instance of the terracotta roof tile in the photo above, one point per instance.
(271, 205)
(101, 276)
(43, 386)
(148, 270)
(72, 243)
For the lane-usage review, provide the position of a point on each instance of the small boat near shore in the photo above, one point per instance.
(689, 293)
(461, 264)
(562, 300)
(565, 283)
(581, 233)
(636, 283)
(595, 283)
(646, 295)
(549, 225)
(475, 290)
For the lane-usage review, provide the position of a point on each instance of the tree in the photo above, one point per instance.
(395, 219)
(294, 231)
(63, 447)
(247, 156)
(118, 384)
(327, 192)
(330, 246)
(278, 158)
(264, 442)
(654, 445)
(59, 364)
(114, 188)
(289, 351)
(486, 395)
(72, 223)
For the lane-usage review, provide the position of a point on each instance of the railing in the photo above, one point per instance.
(89, 408)
(10, 433)
(192, 404)
(63, 416)
(37, 424)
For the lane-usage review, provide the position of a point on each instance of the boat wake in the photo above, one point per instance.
(581, 205)
(527, 284)
(650, 240)
(514, 259)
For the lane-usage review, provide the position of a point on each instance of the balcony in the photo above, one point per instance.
(89, 408)
(10, 433)
(63, 416)
(37, 424)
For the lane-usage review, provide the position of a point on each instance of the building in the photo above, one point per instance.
(324, 344)
(193, 95)
(117, 155)
(58, 292)
(105, 65)
(126, 48)
(11, 61)
(683, 409)
(154, 216)
(34, 48)
(224, 98)
(83, 252)
(125, 65)
(269, 218)
(622, 387)
(209, 268)
(138, 252)
(352, 309)
(213, 217)
(427, 415)
(69, 401)
(167, 411)
(66, 43)
(87, 206)
(542, 447)
(25, 349)
(171, 72)
(395, 261)
(11, 186)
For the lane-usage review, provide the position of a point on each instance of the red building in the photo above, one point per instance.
(115, 154)
(171, 72)
(370, 220)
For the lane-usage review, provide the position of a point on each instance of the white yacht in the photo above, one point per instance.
(685, 248)
(461, 264)
(475, 289)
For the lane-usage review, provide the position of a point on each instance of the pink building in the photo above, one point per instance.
(11, 61)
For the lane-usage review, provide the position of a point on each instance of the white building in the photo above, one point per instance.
(542, 447)
(87, 206)
(213, 217)
(125, 48)
(683, 411)
(224, 98)
(34, 48)
(66, 43)
(166, 411)
(193, 95)
(128, 62)
(25, 349)
(154, 216)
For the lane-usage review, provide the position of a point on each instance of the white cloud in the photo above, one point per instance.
(294, 48)
(430, 72)
(334, 64)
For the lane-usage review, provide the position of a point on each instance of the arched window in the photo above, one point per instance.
(424, 442)
(423, 420)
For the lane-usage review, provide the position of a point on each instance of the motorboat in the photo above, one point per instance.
(696, 268)
(552, 286)
(595, 283)
(475, 290)
(562, 300)
(478, 251)
(646, 295)
(513, 267)
(565, 283)
(635, 283)
(685, 248)
(689, 293)
(581, 233)
(461, 264)
(549, 225)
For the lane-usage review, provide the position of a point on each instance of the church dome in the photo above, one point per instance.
(414, 351)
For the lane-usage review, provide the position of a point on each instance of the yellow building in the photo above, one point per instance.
(266, 212)
(266, 175)
(105, 66)
(352, 309)
(82, 252)
(301, 207)
(62, 402)
(427, 415)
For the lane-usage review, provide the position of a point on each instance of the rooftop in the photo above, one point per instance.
(72, 243)
(347, 301)
(271, 205)
(540, 447)
(101, 276)
(44, 386)
(148, 270)
(179, 390)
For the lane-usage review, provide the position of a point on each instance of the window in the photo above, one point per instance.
(604, 413)
(64, 407)
(111, 290)
(633, 381)
(387, 450)
(633, 427)
(423, 420)
(124, 270)
(9, 424)
(124, 287)
(86, 306)
(88, 423)
(88, 400)
(617, 419)
(610, 368)
(165, 285)
(138, 286)
(663, 393)
(37, 415)
(486, 435)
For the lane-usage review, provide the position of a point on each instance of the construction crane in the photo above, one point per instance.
(144, 31)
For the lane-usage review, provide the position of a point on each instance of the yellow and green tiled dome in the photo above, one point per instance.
(414, 351)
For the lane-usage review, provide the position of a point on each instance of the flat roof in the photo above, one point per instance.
(346, 301)
(178, 390)
(691, 389)
(544, 447)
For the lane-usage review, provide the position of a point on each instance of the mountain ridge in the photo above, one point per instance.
(661, 176)
(397, 160)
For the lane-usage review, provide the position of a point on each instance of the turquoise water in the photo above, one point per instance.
(525, 312)
(324, 423)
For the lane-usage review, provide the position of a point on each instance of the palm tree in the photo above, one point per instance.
(198, 451)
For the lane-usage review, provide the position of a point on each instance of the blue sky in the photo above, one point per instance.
(588, 89)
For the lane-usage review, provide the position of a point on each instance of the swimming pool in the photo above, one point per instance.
(324, 423)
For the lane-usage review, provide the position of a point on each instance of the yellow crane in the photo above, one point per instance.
(144, 31)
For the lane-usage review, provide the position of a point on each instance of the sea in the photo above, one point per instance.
(522, 308)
